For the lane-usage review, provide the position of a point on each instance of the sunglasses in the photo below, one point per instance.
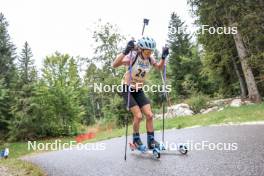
(147, 52)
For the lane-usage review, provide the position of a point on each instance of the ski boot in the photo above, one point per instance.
(152, 143)
(138, 143)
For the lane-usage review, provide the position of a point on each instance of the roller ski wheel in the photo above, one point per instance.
(156, 153)
(162, 147)
(183, 149)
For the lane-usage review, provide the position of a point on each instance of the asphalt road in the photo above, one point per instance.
(240, 152)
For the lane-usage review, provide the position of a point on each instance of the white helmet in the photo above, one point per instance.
(147, 43)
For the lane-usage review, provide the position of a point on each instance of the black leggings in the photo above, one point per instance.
(137, 98)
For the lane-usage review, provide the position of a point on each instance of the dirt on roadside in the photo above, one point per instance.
(4, 171)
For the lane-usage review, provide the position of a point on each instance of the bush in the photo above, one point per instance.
(198, 102)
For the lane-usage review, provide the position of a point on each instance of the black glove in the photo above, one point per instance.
(129, 47)
(165, 52)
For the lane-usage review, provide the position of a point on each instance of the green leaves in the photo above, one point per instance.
(184, 62)
(107, 40)
(60, 95)
(104, 106)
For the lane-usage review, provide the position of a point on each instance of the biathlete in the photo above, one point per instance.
(141, 55)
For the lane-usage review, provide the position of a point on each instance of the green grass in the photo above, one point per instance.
(228, 115)
(18, 149)
(21, 168)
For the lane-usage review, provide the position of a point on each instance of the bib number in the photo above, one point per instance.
(140, 73)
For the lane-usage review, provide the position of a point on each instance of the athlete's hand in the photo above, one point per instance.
(129, 47)
(165, 52)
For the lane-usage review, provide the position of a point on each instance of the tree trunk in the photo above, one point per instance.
(240, 78)
(253, 92)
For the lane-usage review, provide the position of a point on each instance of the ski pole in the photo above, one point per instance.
(145, 23)
(126, 137)
(128, 99)
(163, 100)
(164, 97)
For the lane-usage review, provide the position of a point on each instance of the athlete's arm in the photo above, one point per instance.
(118, 61)
(122, 59)
(159, 65)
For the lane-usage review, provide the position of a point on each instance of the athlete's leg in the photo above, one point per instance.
(137, 116)
(146, 109)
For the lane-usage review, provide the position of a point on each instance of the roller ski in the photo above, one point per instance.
(153, 144)
(155, 153)
(153, 150)
(183, 149)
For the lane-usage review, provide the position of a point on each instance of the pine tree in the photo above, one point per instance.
(3, 108)
(223, 13)
(184, 64)
(7, 72)
(221, 65)
(7, 53)
(22, 124)
(26, 69)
